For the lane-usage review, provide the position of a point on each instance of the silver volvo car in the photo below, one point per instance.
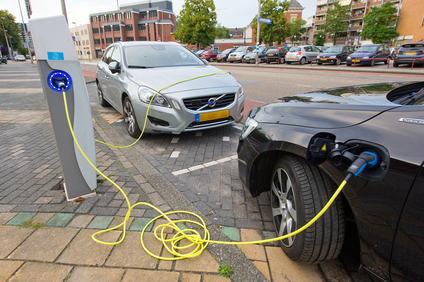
(193, 95)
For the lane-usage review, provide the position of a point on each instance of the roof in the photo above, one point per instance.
(294, 5)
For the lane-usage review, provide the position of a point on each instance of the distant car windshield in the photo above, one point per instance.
(157, 55)
(245, 49)
(226, 51)
(366, 49)
(334, 49)
(294, 49)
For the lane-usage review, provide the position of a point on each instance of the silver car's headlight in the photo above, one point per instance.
(240, 92)
(349, 58)
(249, 125)
(145, 94)
(318, 57)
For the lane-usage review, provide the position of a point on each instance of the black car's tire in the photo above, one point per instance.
(298, 193)
(348, 64)
(303, 61)
(268, 62)
(337, 62)
(319, 63)
(373, 63)
(282, 60)
(130, 119)
(395, 64)
(101, 98)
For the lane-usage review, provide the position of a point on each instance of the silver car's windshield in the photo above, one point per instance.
(157, 55)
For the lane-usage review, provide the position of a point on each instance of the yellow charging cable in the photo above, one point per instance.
(151, 100)
(198, 242)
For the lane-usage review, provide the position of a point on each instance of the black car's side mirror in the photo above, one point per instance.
(114, 67)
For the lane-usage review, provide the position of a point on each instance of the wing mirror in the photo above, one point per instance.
(205, 62)
(114, 67)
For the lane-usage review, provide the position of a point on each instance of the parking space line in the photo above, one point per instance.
(175, 154)
(226, 138)
(174, 140)
(205, 165)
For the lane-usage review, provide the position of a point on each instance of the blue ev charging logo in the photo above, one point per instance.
(57, 76)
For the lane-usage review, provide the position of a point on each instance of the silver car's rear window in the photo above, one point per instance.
(156, 55)
(295, 49)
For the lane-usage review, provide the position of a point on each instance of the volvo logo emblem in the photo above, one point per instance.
(212, 102)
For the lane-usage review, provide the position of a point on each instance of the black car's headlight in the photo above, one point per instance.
(145, 94)
(240, 92)
(249, 125)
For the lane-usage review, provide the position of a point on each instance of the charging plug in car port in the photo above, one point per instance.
(323, 147)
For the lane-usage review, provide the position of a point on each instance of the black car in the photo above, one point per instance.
(300, 150)
(334, 54)
(275, 55)
(224, 55)
(408, 53)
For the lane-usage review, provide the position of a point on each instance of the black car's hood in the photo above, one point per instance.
(333, 108)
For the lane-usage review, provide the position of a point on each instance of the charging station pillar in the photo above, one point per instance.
(57, 61)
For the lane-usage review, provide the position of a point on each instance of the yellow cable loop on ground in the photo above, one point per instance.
(148, 108)
(198, 243)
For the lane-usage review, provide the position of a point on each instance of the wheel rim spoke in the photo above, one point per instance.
(282, 228)
(291, 211)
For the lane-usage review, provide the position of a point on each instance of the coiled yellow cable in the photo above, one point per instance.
(198, 242)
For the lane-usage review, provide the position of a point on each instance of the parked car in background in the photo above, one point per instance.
(334, 52)
(302, 54)
(365, 54)
(28, 57)
(322, 48)
(210, 55)
(130, 74)
(239, 53)
(393, 52)
(410, 52)
(276, 54)
(223, 57)
(200, 52)
(380, 213)
(251, 56)
(20, 58)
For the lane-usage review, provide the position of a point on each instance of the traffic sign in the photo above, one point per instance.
(159, 38)
(263, 20)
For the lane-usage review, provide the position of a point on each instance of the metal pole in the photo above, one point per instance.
(26, 32)
(120, 28)
(62, 3)
(257, 32)
(7, 41)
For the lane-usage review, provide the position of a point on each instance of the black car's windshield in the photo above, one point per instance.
(334, 49)
(158, 55)
(226, 51)
(367, 49)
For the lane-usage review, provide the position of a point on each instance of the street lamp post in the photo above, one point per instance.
(23, 23)
(257, 33)
(120, 26)
(7, 41)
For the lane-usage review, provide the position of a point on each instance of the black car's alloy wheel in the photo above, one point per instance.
(102, 100)
(130, 119)
(298, 193)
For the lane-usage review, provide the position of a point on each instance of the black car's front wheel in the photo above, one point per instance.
(130, 119)
(298, 193)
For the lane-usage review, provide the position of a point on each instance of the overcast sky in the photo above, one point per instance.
(230, 13)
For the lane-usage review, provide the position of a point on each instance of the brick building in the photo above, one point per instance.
(149, 20)
(411, 22)
(83, 41)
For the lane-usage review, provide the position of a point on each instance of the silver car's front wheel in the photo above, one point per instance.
(130, 119)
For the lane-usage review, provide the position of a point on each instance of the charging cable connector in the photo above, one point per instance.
(366, 159)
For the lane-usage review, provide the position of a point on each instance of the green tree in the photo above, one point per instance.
(274, 10)
(334, 20)
(320, 38)
(380, 23)
(13, 30)
(196, 23)
(295, 29)
(222, 32)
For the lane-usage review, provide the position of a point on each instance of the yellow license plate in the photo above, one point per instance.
(356, 61)
(323, 59)
(212, 115)
(410, 53)
(291, 59)
(271, 54)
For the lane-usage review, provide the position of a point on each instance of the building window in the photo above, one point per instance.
(96, 41)
(169, 15)
(153, 14)
(142, 27)
(118, 16)
(108, 29)
(128, 27)
(85, 31)
(102, 18)
(116, 28)
(128, 15)
(103, 41)
(130, 38)
(93, 19)
(422, 22)
(109, 40)
(143, 38)
(101, 30)
(116, 39)
(110, 17)
(95, 30)
(293, 17)
(143, 15)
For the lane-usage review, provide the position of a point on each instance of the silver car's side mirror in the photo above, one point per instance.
(114, 67)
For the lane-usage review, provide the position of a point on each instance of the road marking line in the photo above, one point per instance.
(20, 80)
(174, 140)
(20, 90)
(175, 154)
(226, 138)
(205, 165)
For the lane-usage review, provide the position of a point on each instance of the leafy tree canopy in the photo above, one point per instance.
(334, 20)
(274, 10)
(13, 31)
(295, 29)
(380, 23)
(320, 38)
(196, 23)
(222, 32)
